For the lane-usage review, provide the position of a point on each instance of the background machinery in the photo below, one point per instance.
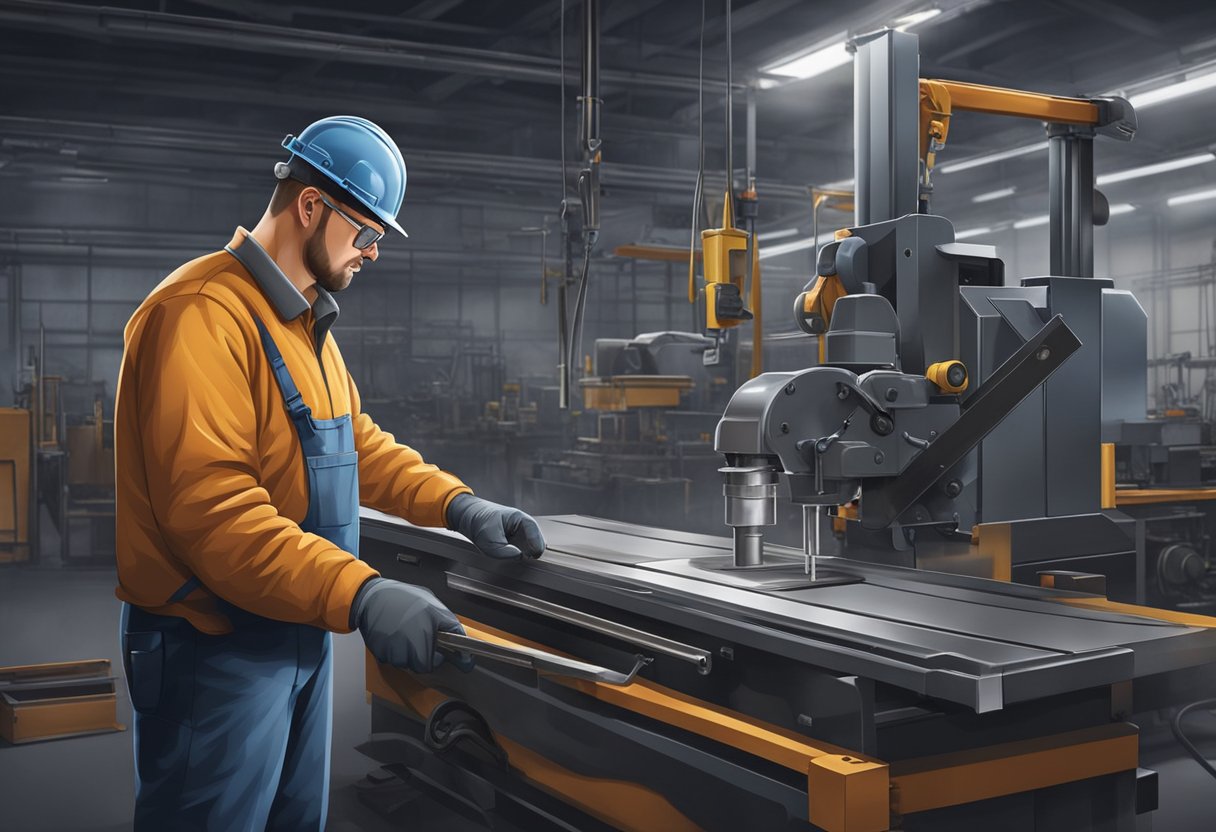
(957, 425)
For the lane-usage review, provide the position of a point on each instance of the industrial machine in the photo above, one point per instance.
(641, 678)
(644, 438)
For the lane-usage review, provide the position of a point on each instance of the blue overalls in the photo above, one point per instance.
(232, 732)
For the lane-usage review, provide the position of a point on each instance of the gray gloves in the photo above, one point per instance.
(399, 621)
(498, 531)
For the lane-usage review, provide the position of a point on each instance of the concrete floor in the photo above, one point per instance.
(85, 783)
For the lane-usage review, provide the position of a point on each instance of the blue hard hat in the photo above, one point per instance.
(359, 157)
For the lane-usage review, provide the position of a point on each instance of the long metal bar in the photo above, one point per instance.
(978, 98)
(886, 142)
(425, 163)
(1017, 378)
(547, 664)
(1071, 194)
(261, 38)
(702, 659)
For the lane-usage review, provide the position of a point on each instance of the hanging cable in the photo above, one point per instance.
(730, 120)
(561, 132)
(563, 335)
(1176, 727)
(588, 177)
(697, 194)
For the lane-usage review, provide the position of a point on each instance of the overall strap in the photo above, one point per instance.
(299, 412)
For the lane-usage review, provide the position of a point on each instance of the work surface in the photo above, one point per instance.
(975, 642)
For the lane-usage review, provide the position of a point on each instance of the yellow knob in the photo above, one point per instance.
(949, 376)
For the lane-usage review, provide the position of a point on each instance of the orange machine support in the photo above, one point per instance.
(847, 792)
(1000, 101)
(1148, 496)
(1010, 768)
(940, 99)
(1108, 475)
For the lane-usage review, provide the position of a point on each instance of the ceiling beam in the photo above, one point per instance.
(258, 38)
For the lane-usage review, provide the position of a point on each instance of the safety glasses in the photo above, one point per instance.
(365, 235)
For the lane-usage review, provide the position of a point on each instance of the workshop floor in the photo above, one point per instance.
(85, 783)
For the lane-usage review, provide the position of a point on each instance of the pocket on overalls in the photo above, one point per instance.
(144, 659)
(334, 480)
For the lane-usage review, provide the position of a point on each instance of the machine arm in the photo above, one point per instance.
(1017, 378)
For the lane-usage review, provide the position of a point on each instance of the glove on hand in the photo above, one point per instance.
(399, 621)
(498, 531)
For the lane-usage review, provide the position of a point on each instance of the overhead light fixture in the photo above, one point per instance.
(830, 53)
(838, 185)
(906, 22)
(1194, 196)
(796, 245)
(1031, 222)
(1159, 167)
(990, 158)
(991, 195)
(1168, 93)
(971, 232)
(815, 62)
(73, 179)
(777, 235)
(1043, 219)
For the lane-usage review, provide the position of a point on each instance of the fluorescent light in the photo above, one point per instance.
(1159, 167)
(1168, 93)
(83, 180)
(796, 245)
(1043, 219)
(1186, 199)
(777, 235)
(839, 185)
(971, 232)
(991, 195)
(987, 159)
(1031, 222)
(906, 22)
(815, 62)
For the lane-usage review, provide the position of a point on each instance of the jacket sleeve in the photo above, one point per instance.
(199, 431)
(394, 478)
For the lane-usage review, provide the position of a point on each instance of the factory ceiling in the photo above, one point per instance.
(154, 90)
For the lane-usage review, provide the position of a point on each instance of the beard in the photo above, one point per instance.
(316, 259)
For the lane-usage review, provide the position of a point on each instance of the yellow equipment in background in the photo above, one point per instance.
(725, 265)
(939, 99)
(15, 471)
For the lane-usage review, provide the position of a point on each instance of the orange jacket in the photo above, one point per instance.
(210, 473)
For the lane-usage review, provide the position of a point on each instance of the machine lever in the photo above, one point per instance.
(701, 659)
(1031, 365)
(546, 664)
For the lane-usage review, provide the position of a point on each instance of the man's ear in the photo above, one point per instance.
(308, 205)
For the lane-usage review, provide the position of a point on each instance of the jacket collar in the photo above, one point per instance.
(286, 299)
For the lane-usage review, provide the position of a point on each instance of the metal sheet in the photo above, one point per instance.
(976, 642)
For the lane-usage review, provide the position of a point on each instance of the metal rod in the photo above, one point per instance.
(818, 520)
(261, 38)
(548, 664)
(677, 650)
(749, 545)
(730, 123)
(806, 539)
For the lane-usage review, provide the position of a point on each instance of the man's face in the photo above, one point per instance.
(330, 253)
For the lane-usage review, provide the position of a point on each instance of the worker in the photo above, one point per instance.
(242, 457)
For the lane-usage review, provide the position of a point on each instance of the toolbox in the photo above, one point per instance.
(62, 699)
